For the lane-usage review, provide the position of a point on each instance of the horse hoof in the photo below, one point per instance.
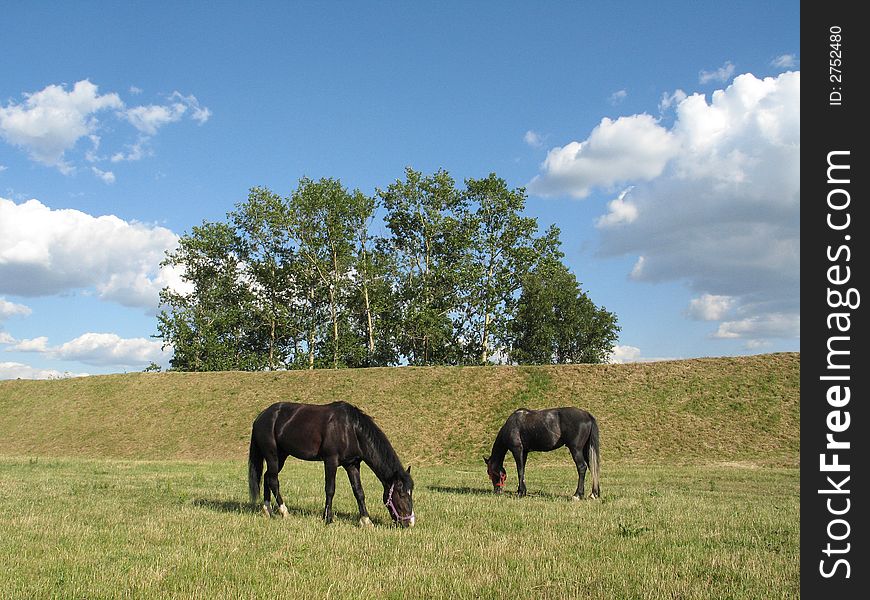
(576, 497)
(365, 522)
(267, 512)
(593, 497)
(283, 510)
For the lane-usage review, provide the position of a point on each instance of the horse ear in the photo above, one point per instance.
(409, 469)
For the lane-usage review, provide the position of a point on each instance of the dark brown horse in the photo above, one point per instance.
(541, 431)
(340, 435)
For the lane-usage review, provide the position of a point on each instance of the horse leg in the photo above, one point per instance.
(359, 494)
(580, 462)
(520, 456)
(272, 486)
(282, 508)
(330, 468)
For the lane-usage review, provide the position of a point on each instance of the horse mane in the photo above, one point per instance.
(382, 457)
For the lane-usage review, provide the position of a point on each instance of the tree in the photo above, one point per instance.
(327, 222)
(556, 322)
(500, 252)
(429, 239)
(261, 224)
(211, 326)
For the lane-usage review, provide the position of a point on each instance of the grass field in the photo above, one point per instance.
(135, 486)
(77, 528)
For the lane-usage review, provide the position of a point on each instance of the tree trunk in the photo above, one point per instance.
(311, 330)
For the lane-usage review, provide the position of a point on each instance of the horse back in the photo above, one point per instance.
(548, 429)
(304, 431)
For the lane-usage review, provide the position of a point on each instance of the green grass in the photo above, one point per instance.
(134, 486)
(81, 528)
(701, 411)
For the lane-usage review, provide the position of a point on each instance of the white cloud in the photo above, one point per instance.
(15, 370)
(134, 152)
(533, 139)
(621, 211)
(720, 75)
(714, 202)
(148, 119)
(5, 338)
(99, 349)
(11, 309)
(106, 176)
(102, 349)
(46, 252)
(629, 148)
(724, 216)
(775, 325)
(784, 61)
(50, 122)
(709, 307)
(624, 354)
(631, 354)
(669, 100)
(39, 344)
(617, 97)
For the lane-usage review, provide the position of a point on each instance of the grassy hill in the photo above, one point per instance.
(699, 411)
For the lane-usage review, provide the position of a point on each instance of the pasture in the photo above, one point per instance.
(79, 528)
(135, 486)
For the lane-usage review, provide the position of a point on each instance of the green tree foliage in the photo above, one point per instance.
(214, 327)
(500, 252)
(556, 322)
(429, 240)
(461, 277)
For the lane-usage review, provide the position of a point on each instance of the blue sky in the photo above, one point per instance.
(663, 138)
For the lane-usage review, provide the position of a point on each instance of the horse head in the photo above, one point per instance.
(496, 473)
(398, 498)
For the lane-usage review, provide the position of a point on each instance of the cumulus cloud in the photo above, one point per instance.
(624, 354)
(717, 206)
(634, 148)
(629, 354)
(102, 349)
(12, 309)
(755, 328)
(46, 252)
(720, 75)
(5, 338)
(709, 307)
(16, 370)
(39, 344)
(620, 211)
(99, 349)
(48, 124)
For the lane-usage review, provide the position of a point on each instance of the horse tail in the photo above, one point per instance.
(255, 469)
(593, 451)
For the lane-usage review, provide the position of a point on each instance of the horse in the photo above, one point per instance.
(338, 434)
(541, 431)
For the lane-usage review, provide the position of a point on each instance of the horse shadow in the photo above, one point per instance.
(470, 491)
(245, 508)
